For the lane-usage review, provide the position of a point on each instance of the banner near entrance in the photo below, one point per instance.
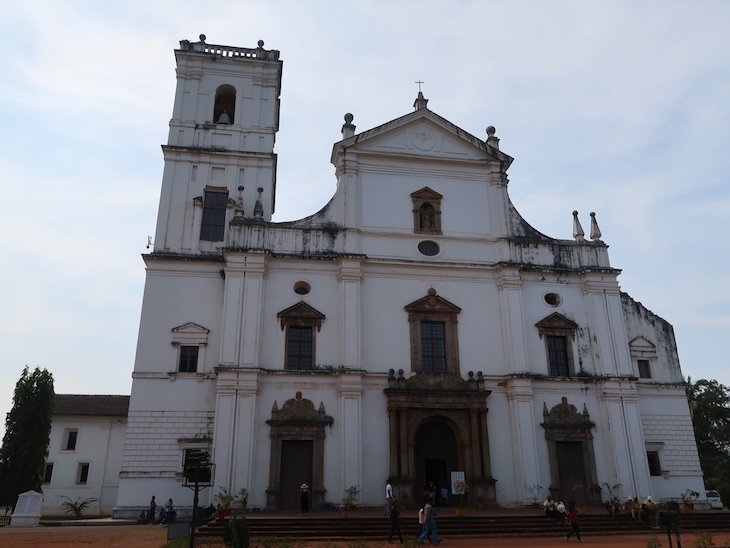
(456, 476)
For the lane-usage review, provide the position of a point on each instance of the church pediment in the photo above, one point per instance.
(432, 303)
(191, 328)
(422, 133)
(299, 313)
(555, 322)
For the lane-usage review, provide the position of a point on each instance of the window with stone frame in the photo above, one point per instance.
(559, 334)
(213, 224)
(300, 324)
(643, 352)
(188, 362)
(433, 333)
(644, 369)
(82, 473)
(655, 465)
(426, 211)
(190, 340)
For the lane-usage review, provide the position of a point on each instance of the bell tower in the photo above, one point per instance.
(219, 156)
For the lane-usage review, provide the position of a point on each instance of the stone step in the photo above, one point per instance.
(377, 528)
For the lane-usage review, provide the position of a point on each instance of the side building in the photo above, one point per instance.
(414, 327)
(85, 452)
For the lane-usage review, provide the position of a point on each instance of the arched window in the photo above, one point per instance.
(225, 105)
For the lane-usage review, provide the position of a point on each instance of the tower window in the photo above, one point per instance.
(48, 473)
(225, 105)
(214, 216)
(188, 359)
(644, 369)
(655, 465)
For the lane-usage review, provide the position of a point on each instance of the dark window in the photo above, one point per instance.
(433, 347)
(655, 467)
(644, 370)
(558, 356)
(83, 472)
(214, 216)
(71, 437)
(48, 473)
(188, 359)
(428, 248)
(299, 347)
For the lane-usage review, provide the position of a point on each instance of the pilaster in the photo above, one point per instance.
(349, 276)
(524, 449)
(512, 318)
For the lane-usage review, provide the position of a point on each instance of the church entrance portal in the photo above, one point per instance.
(571, 468)
(296, 468)
(435, 456)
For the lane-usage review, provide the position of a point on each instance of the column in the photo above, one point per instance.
(524, 450)
(350, 390)
(255, 270)
(513, 321)
(349, 277)
(232, 307)
(224, 429)
(244, 457)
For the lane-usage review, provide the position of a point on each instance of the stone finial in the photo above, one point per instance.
(258, 208)
(578, 233)
(202, 38)
(348, 128)
(239, 202)
(595, 231)
(420, 102)
(492, 140)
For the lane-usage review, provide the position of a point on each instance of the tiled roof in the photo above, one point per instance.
(91, 404)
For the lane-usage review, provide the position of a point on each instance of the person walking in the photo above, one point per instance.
(395, 524)
(573, 522)
(388, 498)
(429, 527)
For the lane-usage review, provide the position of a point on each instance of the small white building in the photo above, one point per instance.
(85, 452)
(416, 326)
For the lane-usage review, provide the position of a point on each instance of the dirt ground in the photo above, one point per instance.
(151, 536)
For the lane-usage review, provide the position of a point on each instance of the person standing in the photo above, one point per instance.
(395, 524)
(304, 498)
(388, 498)
(573, 522)
(153, 509)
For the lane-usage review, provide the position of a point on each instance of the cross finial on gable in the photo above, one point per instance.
(419, 82)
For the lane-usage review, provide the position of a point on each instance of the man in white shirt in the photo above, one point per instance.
(388, 498)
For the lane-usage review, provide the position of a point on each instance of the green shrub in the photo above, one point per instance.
(237, 534)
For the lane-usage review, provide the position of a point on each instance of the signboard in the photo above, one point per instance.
(456, 476)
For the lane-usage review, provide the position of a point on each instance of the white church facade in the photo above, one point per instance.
(415, 326)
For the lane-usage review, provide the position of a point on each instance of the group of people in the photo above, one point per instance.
(166, 514)
(639, 511)
(426, 518)
(556, 510)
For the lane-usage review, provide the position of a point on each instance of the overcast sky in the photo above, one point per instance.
(622, 108)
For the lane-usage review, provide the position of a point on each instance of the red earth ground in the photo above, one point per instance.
(151, 536)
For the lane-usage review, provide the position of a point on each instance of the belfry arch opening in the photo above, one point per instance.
(224, 110)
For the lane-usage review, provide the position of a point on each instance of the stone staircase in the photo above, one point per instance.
(330, 526)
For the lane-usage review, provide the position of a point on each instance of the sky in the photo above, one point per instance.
(617, 107)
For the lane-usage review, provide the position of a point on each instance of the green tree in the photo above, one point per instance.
(27, 430)
(709, 403)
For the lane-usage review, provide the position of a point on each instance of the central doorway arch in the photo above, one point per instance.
(435, 456)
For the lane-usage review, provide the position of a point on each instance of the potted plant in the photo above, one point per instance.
(242, 499)
(688, 499)
(461, 489)
(225, 501)
(349, 501)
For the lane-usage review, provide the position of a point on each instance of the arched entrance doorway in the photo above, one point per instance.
(435, 456)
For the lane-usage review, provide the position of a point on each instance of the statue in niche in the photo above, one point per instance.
(427, 217)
